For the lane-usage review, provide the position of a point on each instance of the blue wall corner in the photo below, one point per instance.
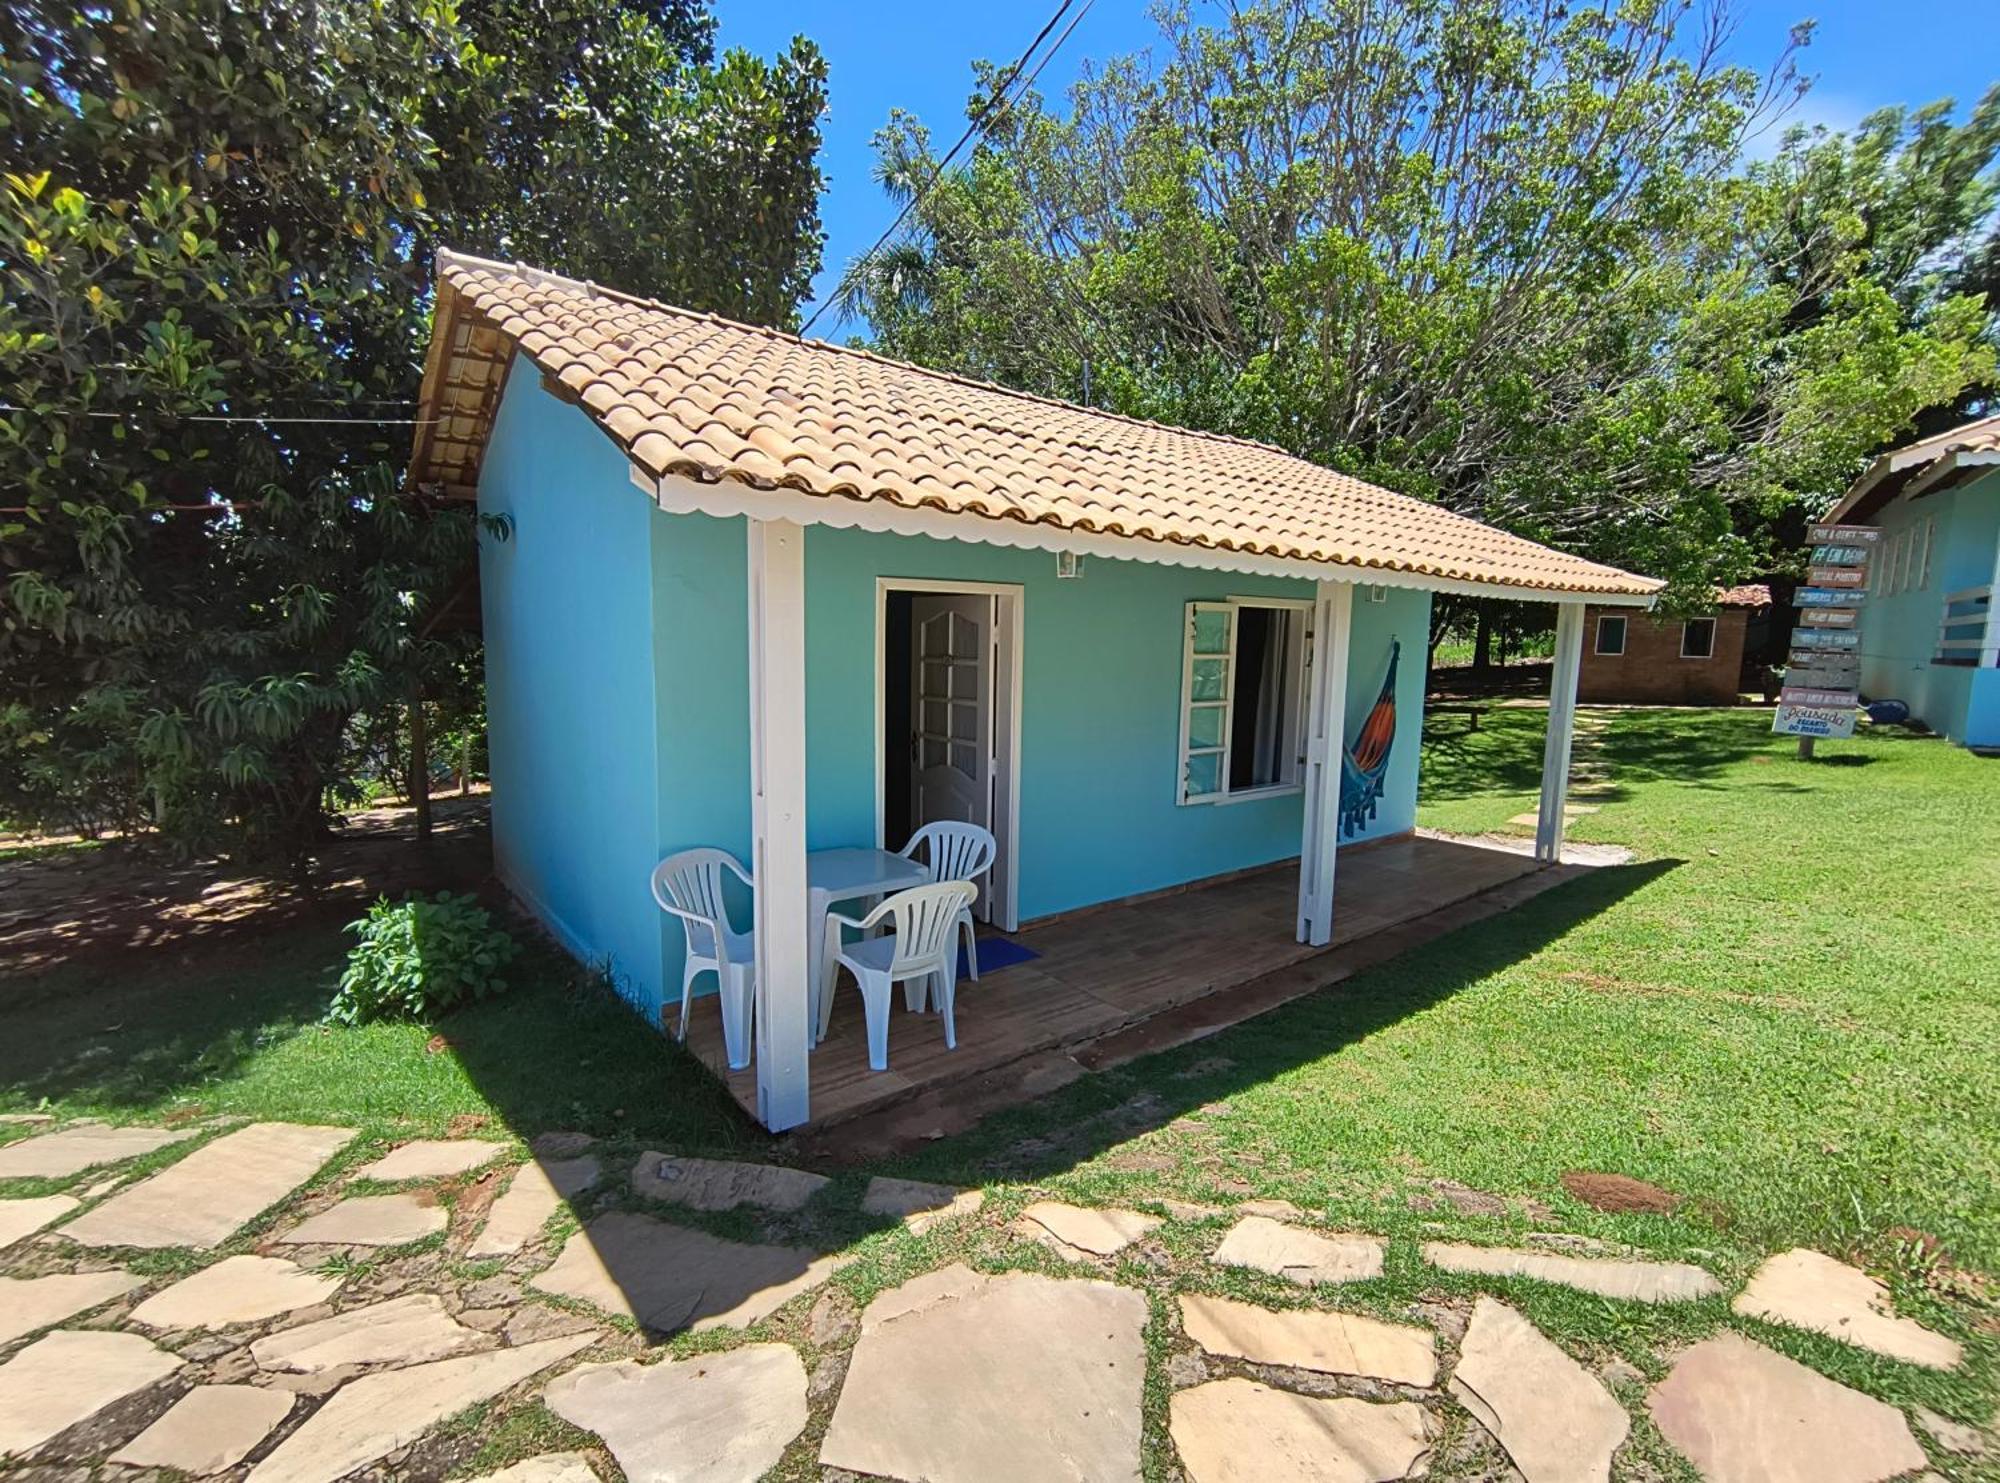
(568, 604)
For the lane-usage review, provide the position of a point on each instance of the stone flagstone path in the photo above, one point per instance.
(1305, 1257)
(211, 1428)
(1238, 1431)
(1639, 1282)
(718, 1418)
(65, 1378)
(536, 1193)
(21, 1218)
(963, 1378)
(37, 1302)
(1556, 1420)
(1331, 1343)
(58, 1155)
(237, 1289)
(1812, 1291)
(287, 1373)
(1744, 1414)
(202, 1200)
(371, 1417)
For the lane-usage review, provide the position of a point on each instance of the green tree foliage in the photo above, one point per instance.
(1490, 252)
(216, 235)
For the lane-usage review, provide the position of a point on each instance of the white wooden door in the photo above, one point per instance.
(951, 698)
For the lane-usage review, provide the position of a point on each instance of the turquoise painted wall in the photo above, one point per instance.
(618, 698)
(1899, 632)
(568, 605)
(1100, 723)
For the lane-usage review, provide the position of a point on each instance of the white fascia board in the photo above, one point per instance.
(680, 495)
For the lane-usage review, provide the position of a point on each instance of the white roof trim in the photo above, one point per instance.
(679, 495)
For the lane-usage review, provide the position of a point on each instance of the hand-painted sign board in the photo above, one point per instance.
(1829, 617)
(1825, 638)
(1823, 597)
(1807, 720)
(1844, 535)
(1838, 576)
(1840, 672)
(1816, 699)
(1840, 555)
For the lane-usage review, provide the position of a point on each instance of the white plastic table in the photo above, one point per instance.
(846, 875)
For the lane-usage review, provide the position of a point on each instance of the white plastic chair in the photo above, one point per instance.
(924, 947)
(689, 885)
(955, 852)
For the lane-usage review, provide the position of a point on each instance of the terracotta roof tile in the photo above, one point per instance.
(695, 395)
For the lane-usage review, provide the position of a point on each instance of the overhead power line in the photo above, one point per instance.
(995, 106)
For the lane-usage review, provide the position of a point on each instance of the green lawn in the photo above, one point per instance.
(1786, 1011)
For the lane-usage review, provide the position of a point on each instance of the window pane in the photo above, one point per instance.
(1698, 638)
(936, 717)
(1611, 635)
(1205, 725)
(1204, 774)
(1211, 632)
(965, 720)
(1210, 679)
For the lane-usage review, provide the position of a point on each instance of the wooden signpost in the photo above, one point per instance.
(1823, 672)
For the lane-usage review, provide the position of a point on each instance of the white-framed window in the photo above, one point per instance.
(1611, 634)
(1698, 638)
(1243, 699)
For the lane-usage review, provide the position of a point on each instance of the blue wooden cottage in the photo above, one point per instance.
(1929, 637)
(780, 596)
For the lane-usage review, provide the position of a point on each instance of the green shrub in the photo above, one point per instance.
(417, 959)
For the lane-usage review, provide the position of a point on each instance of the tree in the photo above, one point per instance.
(217, 236)
(1489, 252)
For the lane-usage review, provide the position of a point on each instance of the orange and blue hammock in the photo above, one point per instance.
(1365, 766)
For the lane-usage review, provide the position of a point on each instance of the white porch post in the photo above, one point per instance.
(1562, 728)
(778, 817)
(1326, 737)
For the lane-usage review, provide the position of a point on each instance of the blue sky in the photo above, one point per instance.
(884, 54)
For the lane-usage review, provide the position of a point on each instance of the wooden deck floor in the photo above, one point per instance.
(1104, 970)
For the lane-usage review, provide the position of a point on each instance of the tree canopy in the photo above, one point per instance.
(1495, 253)
(216, 235)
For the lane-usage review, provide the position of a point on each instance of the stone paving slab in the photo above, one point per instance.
(59, 1155)
(371, 1417)
(1639, 1282)
(31, 1303)
(550, 1467)
(536, 1193)
(204, 1198)
(716, 1418)
(917, 1205)
(1075, 1232)
(402, 1331)
(210, 1429)
(1329, 1343)
(1305, 1257)
(1237, 1431)
(432, 1158)
(66, 1377)
(1811, 1290)
(1742, 1413)
(668, 1277)
(964, 1378)
(237, 1289)
(22, 1218)
(372, 1220)
(1556, 1420)
(723, 1184)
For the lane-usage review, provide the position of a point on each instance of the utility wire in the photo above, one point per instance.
(994, 107)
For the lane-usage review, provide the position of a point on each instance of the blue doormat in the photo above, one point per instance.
(996, 953)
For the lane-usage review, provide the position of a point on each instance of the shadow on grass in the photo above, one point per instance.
(1082, 1120)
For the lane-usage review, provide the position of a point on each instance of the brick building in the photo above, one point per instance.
(1640, 659)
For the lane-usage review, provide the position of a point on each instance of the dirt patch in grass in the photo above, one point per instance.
(1620, 1194)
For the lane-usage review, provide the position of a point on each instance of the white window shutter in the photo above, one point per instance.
(1208, 683)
